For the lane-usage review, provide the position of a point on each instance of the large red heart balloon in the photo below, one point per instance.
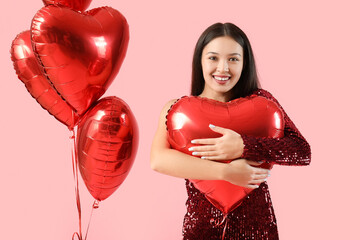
(79, 5)
(80, 53)
(189, 119)
(29, 73)
(107, 142)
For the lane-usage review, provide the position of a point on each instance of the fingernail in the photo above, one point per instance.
(193, 141)
(203, 157)
(265, 179)
(211, 126)
(194, 153)
(191, 149)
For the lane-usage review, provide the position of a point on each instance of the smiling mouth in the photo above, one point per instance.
(222, 78)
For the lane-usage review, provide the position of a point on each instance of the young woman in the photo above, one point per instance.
(224, 69)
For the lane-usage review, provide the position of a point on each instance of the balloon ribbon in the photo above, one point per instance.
(218, 223)
(76, 179)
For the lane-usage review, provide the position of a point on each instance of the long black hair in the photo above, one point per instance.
(248, 82)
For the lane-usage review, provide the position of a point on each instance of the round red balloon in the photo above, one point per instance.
(107, 142)
(38, 86)
(189, 119)
(79, 5)
(80, 53)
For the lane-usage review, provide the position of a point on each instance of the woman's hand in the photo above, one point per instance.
(229, 146)
(244, 173)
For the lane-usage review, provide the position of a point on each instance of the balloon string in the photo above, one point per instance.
(75, 234)
(76, 179)
(224, 230)
(94, 206)
(218, 223)
(77, 194)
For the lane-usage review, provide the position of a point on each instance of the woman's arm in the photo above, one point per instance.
(292, 149)
(175, 163)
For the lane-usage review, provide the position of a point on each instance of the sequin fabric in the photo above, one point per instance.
(254, 218)
(292, 149)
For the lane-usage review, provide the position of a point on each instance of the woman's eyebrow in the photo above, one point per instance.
(231, 54)
(211, 53)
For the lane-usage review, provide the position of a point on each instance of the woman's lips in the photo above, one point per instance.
(221, 79)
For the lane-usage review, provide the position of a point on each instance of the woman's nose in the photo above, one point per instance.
(223, 66)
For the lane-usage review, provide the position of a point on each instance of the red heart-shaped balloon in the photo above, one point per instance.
(79, 5)
(107, 143)
(80, 53)
(30, 74)
(189, 119)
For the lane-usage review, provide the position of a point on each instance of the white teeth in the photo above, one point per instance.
(221, 79)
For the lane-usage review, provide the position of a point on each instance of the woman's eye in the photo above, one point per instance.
(233, 59)
(212, 58)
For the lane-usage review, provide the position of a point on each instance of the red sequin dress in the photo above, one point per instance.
(254, 218)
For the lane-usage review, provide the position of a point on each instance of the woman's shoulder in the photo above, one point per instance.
(265, 93)
(169, 104)
(166, 108)
(262, 92)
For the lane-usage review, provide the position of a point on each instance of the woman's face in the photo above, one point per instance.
(222, 63)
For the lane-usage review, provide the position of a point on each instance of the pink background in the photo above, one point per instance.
(307, 55)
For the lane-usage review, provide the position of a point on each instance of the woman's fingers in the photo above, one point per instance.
(202, 148)
(208, 141)
(240, 173)
(213, 158)
(258, 170)
(229, 146)
(257, 181)
(205, 154)
(260, 176)
(218, 129)
(262, 171)
(252, 186)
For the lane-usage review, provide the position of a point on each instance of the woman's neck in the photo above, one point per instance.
(221, 97)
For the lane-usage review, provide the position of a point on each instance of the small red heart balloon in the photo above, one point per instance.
(80, 53)
(189, 119)
(107, 142)
(38, 86)
(78, 5)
